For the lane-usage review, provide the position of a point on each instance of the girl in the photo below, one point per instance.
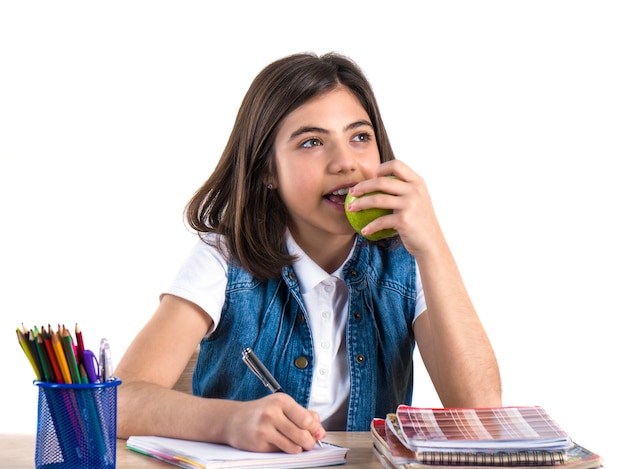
(278, 268)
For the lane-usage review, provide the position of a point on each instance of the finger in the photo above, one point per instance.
(303, 426)
(315, 428)
(388, 184)
(381, 200)
(285, 442)
(395, 168)
(288, 437)
(376, 184)
(287, 426)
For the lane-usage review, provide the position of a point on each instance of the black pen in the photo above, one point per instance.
(259, 369)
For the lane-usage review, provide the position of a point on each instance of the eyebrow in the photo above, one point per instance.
(320, 130)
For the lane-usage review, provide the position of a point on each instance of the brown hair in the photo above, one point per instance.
(235, 201)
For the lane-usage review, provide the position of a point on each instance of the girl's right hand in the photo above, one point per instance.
(407, 196)
(273, 423)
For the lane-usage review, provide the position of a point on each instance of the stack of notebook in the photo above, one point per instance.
(520, 437)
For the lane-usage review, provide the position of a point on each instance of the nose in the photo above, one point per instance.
(341, 159)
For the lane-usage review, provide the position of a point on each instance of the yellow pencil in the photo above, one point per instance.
(24, 344)
(57, 346)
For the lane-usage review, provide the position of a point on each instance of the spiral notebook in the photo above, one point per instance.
(196, 454)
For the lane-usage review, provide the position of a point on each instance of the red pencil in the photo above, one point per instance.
(80, 349)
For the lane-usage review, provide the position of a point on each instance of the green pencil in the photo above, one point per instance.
(68, 348)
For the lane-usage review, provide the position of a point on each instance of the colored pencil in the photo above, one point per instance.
(23, 341)
(57, 346)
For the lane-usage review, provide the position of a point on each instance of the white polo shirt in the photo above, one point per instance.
(326, 301)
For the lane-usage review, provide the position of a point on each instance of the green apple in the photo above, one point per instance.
(360, 219)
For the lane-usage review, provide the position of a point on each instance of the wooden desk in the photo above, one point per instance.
(18, 452)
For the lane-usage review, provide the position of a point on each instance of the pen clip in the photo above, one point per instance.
(106, 366)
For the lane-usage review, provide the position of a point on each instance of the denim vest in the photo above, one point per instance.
(270, 317)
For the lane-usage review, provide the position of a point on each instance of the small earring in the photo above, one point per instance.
(270, 186)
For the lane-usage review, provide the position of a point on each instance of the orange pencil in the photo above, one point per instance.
(47, 341)
(57, 346)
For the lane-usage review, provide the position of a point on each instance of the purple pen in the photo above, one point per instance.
(91, 364)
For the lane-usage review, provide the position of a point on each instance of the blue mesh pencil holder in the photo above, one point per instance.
(76, 425)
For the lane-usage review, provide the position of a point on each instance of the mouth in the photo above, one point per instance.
(338, 197)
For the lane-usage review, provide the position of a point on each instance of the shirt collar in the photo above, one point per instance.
(308, 272)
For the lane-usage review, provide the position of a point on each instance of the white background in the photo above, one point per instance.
(113, 113)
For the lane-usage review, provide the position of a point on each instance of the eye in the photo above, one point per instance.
(363, 137)
(311, 142)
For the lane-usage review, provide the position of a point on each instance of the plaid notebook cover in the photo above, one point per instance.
(484, 428)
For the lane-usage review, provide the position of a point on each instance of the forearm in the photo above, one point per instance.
(150, 409)
(273, 423)
(456, 350)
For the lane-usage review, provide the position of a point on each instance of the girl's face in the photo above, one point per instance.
(322, 148)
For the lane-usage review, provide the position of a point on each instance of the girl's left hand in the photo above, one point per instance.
(406, 194)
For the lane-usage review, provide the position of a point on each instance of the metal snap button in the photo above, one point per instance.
(301, 363)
